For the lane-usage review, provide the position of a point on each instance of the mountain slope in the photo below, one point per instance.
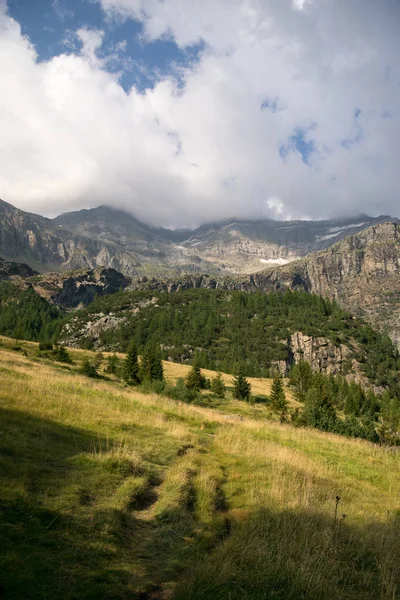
(362, 273)
(45, 246)
(245, 246)
(111, 238)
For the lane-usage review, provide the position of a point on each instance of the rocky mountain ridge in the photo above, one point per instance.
(106, 237)
(360, 272)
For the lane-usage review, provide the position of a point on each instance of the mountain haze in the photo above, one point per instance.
(107, 237)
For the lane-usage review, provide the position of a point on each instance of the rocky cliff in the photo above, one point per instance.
(8, 270)
(71, 290)
(361, 273)
(111, 238)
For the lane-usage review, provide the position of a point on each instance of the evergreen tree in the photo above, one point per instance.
(218, 387)
(278, 397)
(45, 345)
(152, 367)
(130, 366)
(61, 354)
(241, 387)
(319, 411)
(389, 423)
(87, 368)
(301, 379)
(98, 360)
(194, 379)
(112, 364)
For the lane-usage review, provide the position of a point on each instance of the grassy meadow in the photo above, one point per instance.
(106, 492)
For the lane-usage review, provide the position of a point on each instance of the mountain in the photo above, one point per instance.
(106, 237)
(360, 272)
(247, 246)
(89, 239)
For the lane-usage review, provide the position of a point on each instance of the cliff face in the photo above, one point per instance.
(362, 273)
(9, 270)
(79, 288)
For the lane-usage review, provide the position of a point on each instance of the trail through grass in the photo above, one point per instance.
(109, 493)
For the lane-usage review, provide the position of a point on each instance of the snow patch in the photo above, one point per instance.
(275, 261)
(321, 238)
(340, 229)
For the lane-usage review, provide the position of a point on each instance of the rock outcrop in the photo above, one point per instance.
(80, 287)
(320, 353)
(361, 273)
(8, 270)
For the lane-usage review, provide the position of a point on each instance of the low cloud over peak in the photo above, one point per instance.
(286, 109)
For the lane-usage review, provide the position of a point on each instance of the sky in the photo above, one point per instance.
(189, 111)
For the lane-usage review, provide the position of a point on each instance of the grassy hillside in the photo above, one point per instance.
(109, 493)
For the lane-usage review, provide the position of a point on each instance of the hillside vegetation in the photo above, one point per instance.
(106, 492)
(223, 329)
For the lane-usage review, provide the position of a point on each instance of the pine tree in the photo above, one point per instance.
(278, 397)
(152, 367)
(98, 359)
(241, 387)
(319, 411)
(61, 354)
(87, 368)
(194, 379)
(218, 387)
(301, 379)
(130, 366)
(112, 364)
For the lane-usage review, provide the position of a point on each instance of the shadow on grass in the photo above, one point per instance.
(298, 555)
(54, 544)
(58, 541)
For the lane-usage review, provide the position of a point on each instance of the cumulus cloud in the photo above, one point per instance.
(291, 110)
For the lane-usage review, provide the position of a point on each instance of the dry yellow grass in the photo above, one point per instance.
(259, 386)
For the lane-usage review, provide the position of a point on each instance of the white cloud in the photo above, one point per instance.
(71, 137)
(91, 40)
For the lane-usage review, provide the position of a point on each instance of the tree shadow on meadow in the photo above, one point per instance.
(54, 543)
(299, 555)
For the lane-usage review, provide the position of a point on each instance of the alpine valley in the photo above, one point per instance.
(199, 415)
(79, 255)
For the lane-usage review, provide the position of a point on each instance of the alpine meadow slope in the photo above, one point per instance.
(109, 492)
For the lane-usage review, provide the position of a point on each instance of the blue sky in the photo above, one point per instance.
(51, 27)
(189, 111)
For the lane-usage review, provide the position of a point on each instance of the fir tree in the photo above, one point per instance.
(278, 397)
(130, 366)
(152, 367)
(98, 360)
(194, 379)
(112, 364)
(218, 387)
(319, 411)
(301, 379)
(87, 368)
(241, 387)
(61, 354)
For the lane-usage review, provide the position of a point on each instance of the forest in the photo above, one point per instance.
(224, 330)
